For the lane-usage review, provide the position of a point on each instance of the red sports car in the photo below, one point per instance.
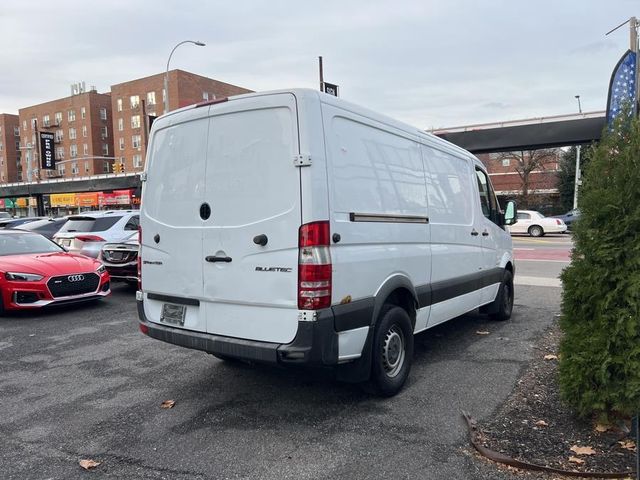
(35, 272)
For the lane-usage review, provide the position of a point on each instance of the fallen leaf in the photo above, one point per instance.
(168, 404)
(88, 464)
(482, 332)
(628, 445)
(600, 427)
(550, 357)
(577, 460)
(582, 450)
(542, 423)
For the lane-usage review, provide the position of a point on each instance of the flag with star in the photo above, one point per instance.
(622, 87)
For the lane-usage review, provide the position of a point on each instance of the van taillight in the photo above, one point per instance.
(139, 259)
(314, 266)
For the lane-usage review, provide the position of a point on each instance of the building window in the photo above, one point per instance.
(16, 131)
(34, 123)
(24, 125)
(137, 161)
(135, 121)
(46, 121)
(84, 131)
(119, 104)
(103, 113)
(205, 95)
(105, 167)
(104, 132)
(61, 169)
(57, 119)
(73, 150)
(85, 149)
(59, 135)
(86, 167)
(105, 149)
(71, 115)
(121, 141)
(1, 146)
(134, 101)
(151, 98)
(17, 144)
(120, 124)
(74, 168)
(136, 141)
(72, 134)
(60, 153)
(506, 162)
(83, 112)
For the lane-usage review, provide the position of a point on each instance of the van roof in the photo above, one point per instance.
(300, 93)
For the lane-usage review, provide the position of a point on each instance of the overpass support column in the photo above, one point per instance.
(40, 202)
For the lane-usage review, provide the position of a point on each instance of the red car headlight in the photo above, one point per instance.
(22, 277)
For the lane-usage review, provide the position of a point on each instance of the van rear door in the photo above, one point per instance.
(171, 249)
(250, 240)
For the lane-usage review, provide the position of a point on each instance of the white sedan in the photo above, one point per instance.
(536, 224)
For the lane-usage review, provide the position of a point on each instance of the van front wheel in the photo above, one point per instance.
(392, 351)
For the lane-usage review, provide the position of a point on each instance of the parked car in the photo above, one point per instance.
(15, 222)
(87, 233)
(569, 217)
(536, 224)
(46, 226)
(301, 229)
(5, 215)
(35, 272)
(121, 259)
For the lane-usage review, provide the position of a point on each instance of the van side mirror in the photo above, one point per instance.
(510, 213)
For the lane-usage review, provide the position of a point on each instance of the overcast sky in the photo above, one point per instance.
(431, 63)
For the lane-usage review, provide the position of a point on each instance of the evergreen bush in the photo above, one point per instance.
(600, 350)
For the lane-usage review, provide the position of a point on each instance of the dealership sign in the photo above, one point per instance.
(46, 151)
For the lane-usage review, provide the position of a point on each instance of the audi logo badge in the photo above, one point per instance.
(75, 278)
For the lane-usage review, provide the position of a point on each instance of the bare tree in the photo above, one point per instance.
(529, 161)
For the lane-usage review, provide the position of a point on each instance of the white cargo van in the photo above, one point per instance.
(293, 227)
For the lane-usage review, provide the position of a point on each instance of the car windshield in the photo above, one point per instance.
(89, 224)
(15, 243)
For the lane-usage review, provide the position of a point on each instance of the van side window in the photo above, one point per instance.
(487, 197)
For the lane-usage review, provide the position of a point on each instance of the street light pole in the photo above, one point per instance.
(576, 180)
(166, 73)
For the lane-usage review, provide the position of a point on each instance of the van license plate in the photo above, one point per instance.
(173, 314)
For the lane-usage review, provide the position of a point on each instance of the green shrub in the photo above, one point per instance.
(600, 351)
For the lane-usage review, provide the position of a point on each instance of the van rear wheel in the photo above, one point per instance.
(392, 351)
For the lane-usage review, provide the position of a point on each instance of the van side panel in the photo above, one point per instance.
(378, 205)
(456, 251)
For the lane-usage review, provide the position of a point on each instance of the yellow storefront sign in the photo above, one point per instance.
(62, 199)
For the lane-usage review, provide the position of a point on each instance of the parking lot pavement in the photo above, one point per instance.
(83, 383)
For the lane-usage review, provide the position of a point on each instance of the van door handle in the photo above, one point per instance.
(214, 259)
(474, 232)
(485, 233)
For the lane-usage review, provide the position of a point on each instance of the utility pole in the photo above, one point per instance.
(576, 180)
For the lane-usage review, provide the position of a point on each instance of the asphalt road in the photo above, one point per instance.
(83, 383)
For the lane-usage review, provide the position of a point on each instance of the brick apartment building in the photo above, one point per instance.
(9, 147)
(82, 126)
(133, 102)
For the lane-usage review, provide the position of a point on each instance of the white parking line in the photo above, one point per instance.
(537, 281)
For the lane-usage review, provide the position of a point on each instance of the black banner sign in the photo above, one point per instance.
(46, 151)
(330, 88)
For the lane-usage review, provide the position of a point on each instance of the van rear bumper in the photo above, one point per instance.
(315, 344)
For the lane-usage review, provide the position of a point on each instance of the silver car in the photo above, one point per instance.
(88, 232)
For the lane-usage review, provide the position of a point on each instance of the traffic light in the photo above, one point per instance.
(118, 167)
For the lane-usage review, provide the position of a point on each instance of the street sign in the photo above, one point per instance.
(46, 151)
(330, 88)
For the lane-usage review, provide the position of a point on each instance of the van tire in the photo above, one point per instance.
(503, 304)
(392, 351)
(536, 231)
